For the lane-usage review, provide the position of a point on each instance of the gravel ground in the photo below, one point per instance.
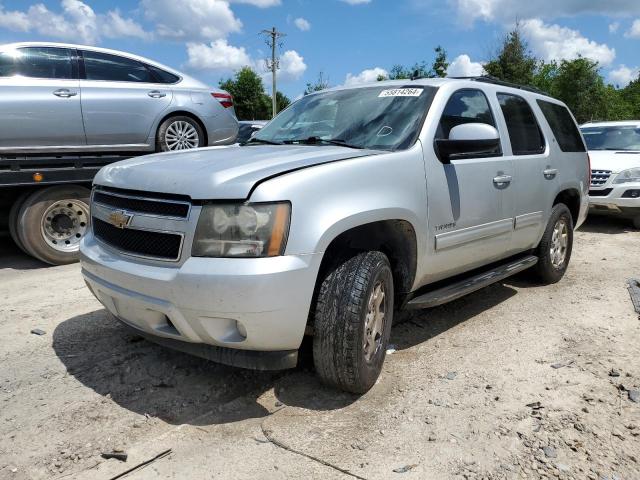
(514, 381)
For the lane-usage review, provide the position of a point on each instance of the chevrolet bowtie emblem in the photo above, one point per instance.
(119, 219)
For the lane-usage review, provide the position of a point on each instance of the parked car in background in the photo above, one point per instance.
(614, 149)
(247, 128)
(72, 98)
(349, 205)
(67, 110)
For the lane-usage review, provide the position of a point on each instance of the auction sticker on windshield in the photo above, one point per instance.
(401, 92)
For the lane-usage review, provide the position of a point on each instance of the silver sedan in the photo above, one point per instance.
(71, 98)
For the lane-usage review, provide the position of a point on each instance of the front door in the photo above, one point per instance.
(470, 223)
(39, 99)
(120, 101)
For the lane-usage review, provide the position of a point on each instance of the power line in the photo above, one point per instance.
(272, 40)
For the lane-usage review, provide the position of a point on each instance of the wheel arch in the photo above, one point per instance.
(571, 198)
(182, 113)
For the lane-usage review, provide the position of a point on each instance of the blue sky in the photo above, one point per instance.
(349, 40)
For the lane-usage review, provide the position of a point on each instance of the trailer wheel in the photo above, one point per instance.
(52, 221)
(13, 220)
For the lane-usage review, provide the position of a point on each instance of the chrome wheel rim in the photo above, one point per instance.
(559, 243)
(374, 321)
(64, 224)
(181, 135)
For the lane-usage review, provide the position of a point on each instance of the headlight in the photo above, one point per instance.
(237, 230)
(627, 176)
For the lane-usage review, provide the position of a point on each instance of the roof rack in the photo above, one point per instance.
(497, 81)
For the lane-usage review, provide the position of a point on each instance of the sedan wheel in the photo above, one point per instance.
(179, 133)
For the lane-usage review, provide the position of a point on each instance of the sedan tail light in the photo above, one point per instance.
(225, 99)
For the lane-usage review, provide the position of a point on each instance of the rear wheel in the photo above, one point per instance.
(179, 133)
(52, 221)
(352, 322)
(554, 250)
(13, 220)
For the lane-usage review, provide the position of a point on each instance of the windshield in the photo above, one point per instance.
(619, 138)
(379, 118)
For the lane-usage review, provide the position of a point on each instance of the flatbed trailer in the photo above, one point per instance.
(44, 201)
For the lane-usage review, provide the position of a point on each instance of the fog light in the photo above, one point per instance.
(241, 330)
(631, 194)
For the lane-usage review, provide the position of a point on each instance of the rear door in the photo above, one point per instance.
(40, 98)
(121, 100)
(469, 220)
(535, 174)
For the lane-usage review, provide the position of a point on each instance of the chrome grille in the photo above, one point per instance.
(599, 177)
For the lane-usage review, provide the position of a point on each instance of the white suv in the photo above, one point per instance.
(614, 148)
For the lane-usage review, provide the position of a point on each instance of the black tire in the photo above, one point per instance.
(161, 137)
(340, 318)
(13, 220)
(546, 271)
(30, 220)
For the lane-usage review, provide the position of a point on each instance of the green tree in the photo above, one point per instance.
(513, 62)
(282, 102)
(322, 83)
(249, 98)
(440, 63)
(631, 96)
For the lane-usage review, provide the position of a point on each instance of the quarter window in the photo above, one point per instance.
(563, 126)
(37, 62)
(162, 76)
(465, 106)
(524, 131)
(103, 66)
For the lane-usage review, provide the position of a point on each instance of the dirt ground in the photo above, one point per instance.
(514, 381)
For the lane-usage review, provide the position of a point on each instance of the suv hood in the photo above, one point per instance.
(614, 161)
(223, 173)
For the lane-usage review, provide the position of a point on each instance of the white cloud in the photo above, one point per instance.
(462, 66)
(507, 10)
(553, 42)
(613, 27)
(622, 75)
(634, 31)
(356, 2)
(218, 55)
(292, 65)
(192, 20)
(76, 22)
(302, 24)
(366, 76)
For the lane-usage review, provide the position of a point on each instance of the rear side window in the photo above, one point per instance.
(162, 76)
(38, 62)
(563, 126)
(102, 66)
(524, 131)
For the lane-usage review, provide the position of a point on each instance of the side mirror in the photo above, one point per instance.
(469, 140)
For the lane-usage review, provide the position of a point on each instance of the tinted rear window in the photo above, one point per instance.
(163, 76)
(524, 132)
(563, 127)
(102, 66)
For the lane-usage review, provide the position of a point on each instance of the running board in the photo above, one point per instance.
(471, 284)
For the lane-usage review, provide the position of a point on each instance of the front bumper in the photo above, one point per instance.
(257, 304)
(615, 200)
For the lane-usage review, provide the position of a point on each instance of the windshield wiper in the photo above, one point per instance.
(327, 141)
(262, 140)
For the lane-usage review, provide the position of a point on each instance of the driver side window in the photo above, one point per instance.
(464, 106)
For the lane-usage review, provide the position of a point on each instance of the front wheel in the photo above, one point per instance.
(179, 133)
(352, 322)
(554, 250)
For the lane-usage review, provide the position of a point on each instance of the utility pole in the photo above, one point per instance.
(272, 41)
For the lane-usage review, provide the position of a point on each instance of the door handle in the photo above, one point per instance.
(502, 180)
(156, 94)
(64, 93)
(550, 173)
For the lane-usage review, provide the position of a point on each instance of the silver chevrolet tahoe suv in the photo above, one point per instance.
(350, 205)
